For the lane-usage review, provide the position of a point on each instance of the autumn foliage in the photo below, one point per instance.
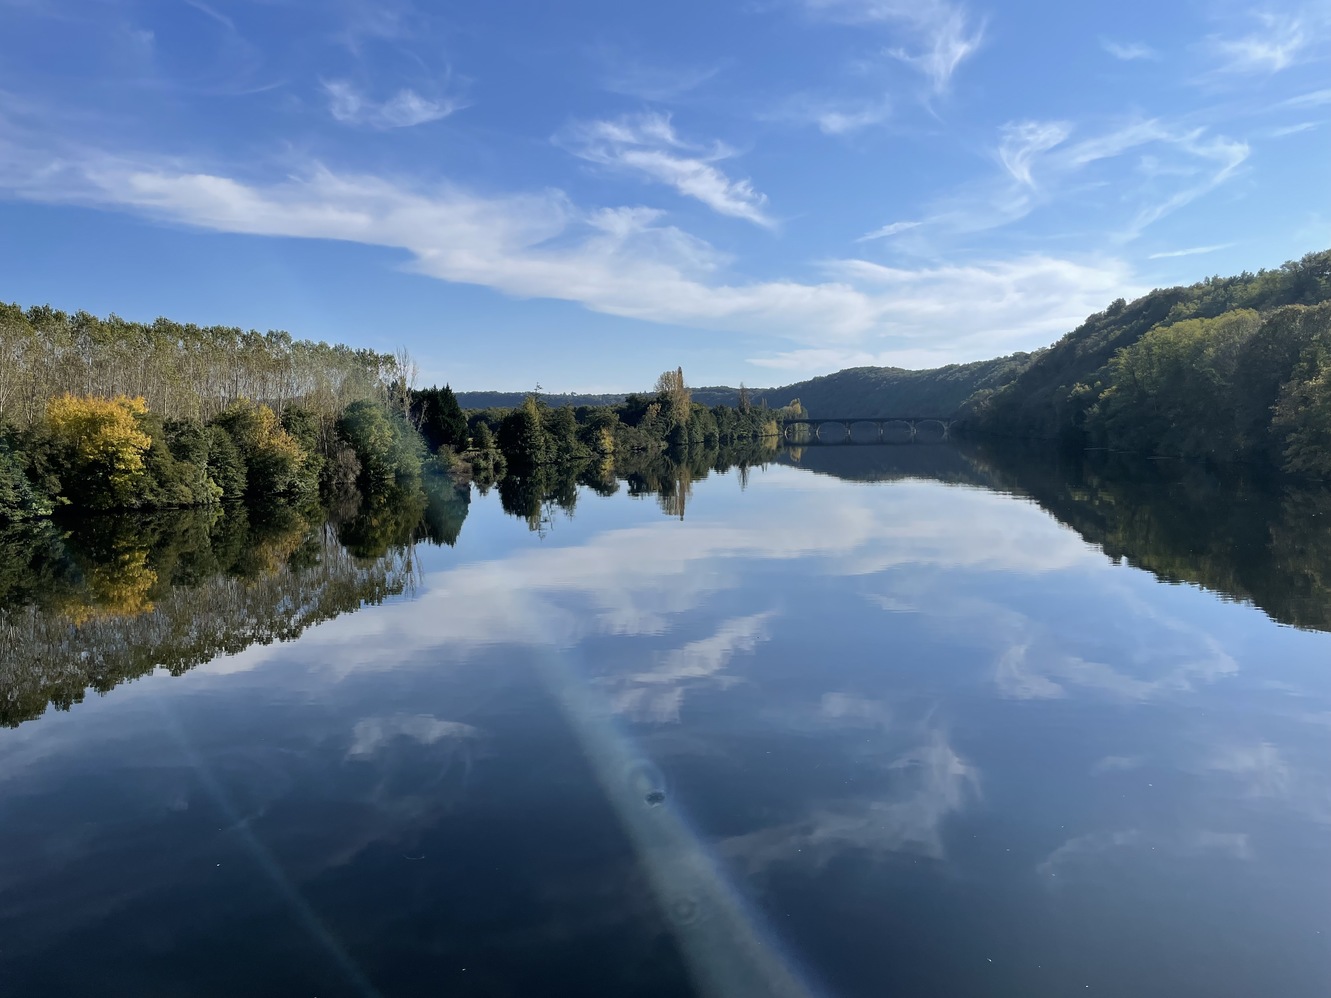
(103, 447)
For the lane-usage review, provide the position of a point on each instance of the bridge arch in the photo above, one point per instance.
(884, 428)
(875, 428)
(844, 431)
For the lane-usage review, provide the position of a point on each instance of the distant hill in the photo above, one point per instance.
(857, 391)
(1229, 368)
(892, 391)
(511, 400)
(1056, 392)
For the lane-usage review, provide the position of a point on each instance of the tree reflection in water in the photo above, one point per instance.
(92, 604)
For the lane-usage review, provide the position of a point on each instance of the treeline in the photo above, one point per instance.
(856, 391)
(1231, 369)
(104, 414)
(181, 371)
(536, 434)
(109, 415)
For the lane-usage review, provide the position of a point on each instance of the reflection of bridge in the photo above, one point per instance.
(879, 423)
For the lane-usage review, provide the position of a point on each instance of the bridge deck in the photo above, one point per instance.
(810, 420)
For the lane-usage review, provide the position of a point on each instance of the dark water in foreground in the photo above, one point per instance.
(885, 721)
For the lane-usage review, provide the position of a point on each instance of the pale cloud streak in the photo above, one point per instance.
(1287, 130)
(1190, 251)
(405, 109)
(939, 35)
(1279, 42)
(1022, 142)
(1041, 164)
(1277, 45)
(1314, 99)
(1023, 300)
(647, 144)
(1128, 51)
(661, 84)
(624, 261)
(891, 229)
(832, 117)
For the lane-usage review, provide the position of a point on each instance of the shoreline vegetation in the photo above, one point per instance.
(1230, 370)
(104, 415)
(101, 415)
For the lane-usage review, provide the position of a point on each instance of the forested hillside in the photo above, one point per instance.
(1235, 368)
(894, 391)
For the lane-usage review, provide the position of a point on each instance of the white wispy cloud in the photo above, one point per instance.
(1190, 251)
(1302, 126)
(1128, 51)
(405, 109)
(624, 261)
(940, 35)
(648, 144)
(833, 117)
(212, 12)
(1222, 158)
(891, 229)
(1279, 42)
(1041, 165)
(1314, 99)
(1023, 142)
(650, 82)
(1023, 300)
(950, 39)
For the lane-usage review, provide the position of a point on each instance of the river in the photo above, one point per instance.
(851, 721)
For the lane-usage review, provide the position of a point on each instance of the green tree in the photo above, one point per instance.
(307, 428)
(389, 451)
(19, 500)
(562, 434)
(437, 413)
(1302, 413)
(273, 459)
(226, 466)
(522, 436)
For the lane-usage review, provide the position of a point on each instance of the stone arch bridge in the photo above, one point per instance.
(879, 423)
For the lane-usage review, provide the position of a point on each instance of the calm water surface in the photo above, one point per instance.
(869, 721)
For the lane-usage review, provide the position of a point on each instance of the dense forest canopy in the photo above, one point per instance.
(1230, 368)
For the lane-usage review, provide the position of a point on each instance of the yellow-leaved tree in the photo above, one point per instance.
(103, 447)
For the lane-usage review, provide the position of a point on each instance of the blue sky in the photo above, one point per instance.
(584, 193)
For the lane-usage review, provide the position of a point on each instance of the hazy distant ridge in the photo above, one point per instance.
(857, 391)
